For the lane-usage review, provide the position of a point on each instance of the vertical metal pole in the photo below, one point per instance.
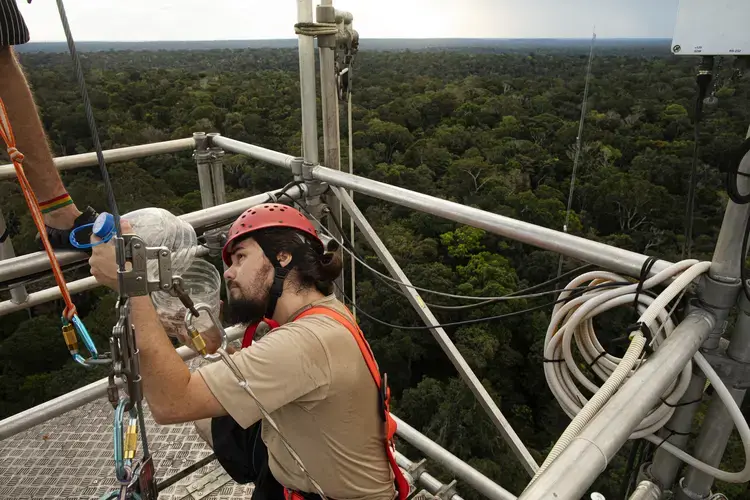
(351, 195)
(325, 13)
(202, 160)
(18, 293)
(722, 287)
(442, 338)
(216, 161)
(719, 295)
(665, 466)
(307, 85)
(718, 424)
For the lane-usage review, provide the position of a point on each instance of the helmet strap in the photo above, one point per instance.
(280, 274)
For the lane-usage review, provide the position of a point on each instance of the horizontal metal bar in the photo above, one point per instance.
(468, 474)
(603, 255)
(53, 293)
(587, 456)
(425, 480)
(55, 407)
(111, 155)
(37, 262)
(255, 152)
(606, 256)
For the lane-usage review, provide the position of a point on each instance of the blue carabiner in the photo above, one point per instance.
(103, 227)
(83, 334)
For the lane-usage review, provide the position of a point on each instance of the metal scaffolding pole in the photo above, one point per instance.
(216, 163)
(55, 407)
(606, 256)
(719, 294)
(53, 293)
(203, 162)
(442, 338)
(18, 294)
(594, 252)
(255, 152)
(461, 469)
(325, 13)
(718, 424)
(308, 95)
(111, 156)
(37, 262)
(587, 456)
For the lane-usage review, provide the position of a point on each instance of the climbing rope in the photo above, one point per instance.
(72, 324)
(124, 355)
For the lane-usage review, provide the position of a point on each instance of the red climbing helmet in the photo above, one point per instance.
(265, 216)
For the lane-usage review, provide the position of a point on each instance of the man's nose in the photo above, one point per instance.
(229, 273)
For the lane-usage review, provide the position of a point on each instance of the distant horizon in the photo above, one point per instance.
(361, 38)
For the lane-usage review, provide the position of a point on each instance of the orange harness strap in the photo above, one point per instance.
(6, 131)
(402, 486)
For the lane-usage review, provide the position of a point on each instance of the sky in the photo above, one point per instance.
(147, 20)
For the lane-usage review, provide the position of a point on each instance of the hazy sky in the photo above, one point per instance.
(129, 20)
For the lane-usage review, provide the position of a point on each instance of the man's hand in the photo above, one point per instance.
(103, 259)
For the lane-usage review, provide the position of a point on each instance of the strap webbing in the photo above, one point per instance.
(402, 486)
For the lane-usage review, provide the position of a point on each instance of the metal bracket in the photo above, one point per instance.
(417, 469)
(315, 188)
(447, 491)
(734, 373)
(136, 281)
(296, 165)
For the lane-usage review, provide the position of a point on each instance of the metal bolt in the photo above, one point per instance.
(166, 286)
(164, 253)
(137, 246)
(138, 279)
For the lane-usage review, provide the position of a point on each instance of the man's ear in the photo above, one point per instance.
(284, 258)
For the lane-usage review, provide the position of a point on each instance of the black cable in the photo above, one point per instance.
(630, 469)
(743, 267)
(703, 80)
(487, 318)
(733, 171)
(519, 294)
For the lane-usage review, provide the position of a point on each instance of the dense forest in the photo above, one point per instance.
(494, 131)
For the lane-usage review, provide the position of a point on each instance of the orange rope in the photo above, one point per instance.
(6, 131)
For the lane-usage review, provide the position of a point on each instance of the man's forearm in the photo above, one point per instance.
(165, 376)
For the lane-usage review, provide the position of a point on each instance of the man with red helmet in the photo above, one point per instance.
(313, 373)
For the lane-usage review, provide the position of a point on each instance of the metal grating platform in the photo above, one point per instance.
(71, 457)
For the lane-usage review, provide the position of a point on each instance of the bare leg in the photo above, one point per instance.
(32, 141)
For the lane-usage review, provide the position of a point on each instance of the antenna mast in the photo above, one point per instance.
(578, 144)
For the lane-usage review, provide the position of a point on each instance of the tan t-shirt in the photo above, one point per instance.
(311, 377)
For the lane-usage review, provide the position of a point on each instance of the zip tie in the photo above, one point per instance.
(686, 403)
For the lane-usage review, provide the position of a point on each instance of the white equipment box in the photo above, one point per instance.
(712, 28)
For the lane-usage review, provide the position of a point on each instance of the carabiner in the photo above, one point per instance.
(71, 333)
(124, 446)
(195, 336)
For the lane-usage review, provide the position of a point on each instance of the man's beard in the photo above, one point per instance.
(244, 310)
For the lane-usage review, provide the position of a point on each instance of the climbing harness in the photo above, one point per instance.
(72, 326)
(381, 382)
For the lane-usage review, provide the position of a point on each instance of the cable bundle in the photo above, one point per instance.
(572, 320)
